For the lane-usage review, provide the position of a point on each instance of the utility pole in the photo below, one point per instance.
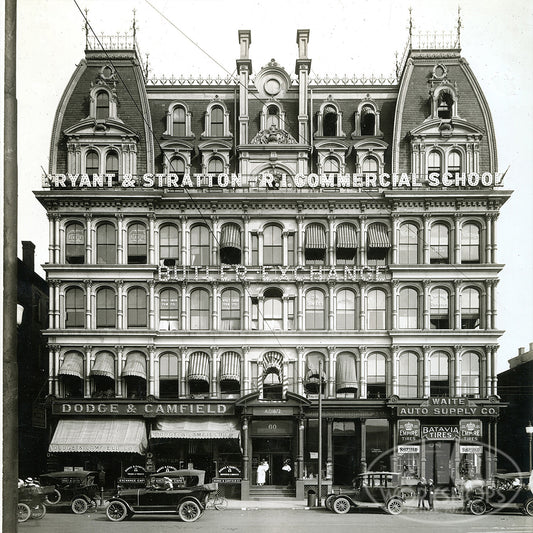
(319, 488)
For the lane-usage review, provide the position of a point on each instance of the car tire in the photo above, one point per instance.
(341, 505)
(528, 507)
(23, 512)
(394, 506)
(117, 511)
(53, 498)
(477, 507)
(328, 501)
(189, 511)
(39, 511)
(79, 505)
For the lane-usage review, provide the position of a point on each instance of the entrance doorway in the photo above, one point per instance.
(275, 451)
(438, 462)
(344, 453)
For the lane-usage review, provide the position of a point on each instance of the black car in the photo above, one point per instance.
(78, 489)
(181, 491)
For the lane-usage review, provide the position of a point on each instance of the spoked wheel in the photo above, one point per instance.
(477, 507)
(79, 506)
(116, 511)
(23, 512)
(328, 501)
(341, 505)
(528, 507)
(189, 511)
(220, 503)
(53, 498)
(394, 506)
(39, 511)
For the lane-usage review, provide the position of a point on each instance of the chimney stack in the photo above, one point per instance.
(531, 346)
(28, 255)
(245, 40)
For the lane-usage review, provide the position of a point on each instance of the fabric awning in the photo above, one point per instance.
(272, 360)
(315, 237)
(230, 366)
(72, 365)
(199, 367)
(378, 236)
(230, 237)
(312, 374)
(346, 373)
(108, 435)
(193, 428)
(135, 366)
(346, 237)
(104, 365)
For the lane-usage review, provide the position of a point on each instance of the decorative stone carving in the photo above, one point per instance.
(273, 135)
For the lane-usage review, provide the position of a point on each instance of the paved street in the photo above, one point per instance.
(294, 520)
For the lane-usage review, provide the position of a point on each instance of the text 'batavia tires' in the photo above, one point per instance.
(23, 512)
(116, 511)
(189, 511)
(394, 506)
(79, 506)
(38, 512)
(477, 507)
(341, 505)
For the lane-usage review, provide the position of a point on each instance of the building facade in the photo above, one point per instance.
(224, 251)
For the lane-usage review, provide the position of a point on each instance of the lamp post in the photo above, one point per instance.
(529, 431)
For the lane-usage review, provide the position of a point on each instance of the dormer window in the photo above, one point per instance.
(272, 118)
(92, 162)
(177, 166)
(434, 163)
(102, 105)
(178, 122)
(368, 121)
(111, 164)
(330, 121)
(217, 122)
(445, 103)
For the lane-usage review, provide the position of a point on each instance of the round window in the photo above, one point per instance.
(272, 86)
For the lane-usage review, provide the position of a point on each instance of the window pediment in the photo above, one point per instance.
(91, 127)
(433, 127)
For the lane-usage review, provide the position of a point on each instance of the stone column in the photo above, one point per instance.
(87, 379)
(216, 240)
(151, 307)
(363, 464)
(120, 304)
(394, 369)
(488, 238)
(331, 240)
(300, 370)
(331, 305)
(457, 303)
(215, 298)
(261, 313)
(89, 256)
(152, 232)
(427, 239)
(394, 302)
(363, 305)
(332, 360)
(152, 377)
(120, 239)
(301, 438)
(457, 239)
(51, 235)
(285, 248)
(300, 239)
(88, 301)
(362, 371)
(300, 310)
(57, 241)
(118, 370)
(329, 449)
(183, 373)
(493, 303)
(185, 298)
(362, 240)
(246, 305)
(57, 314)
(214, 371)
(245, 365)
(260, 242)
(493, 219)
(245, 259)
(427, 303)
(185, 240)
(426, 376)
(395, 237)
(457, 349)
(246, 451)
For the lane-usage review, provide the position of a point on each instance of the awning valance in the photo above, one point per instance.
(199, 367)
(123, 436)
(312, 371)
(192, 428)
(378, 236)
(104, 365)
(315, 237)
(230, 366)
(272, 360)
(230, 237)
(346, 237)
(346, 373)
(72, 365)
(135, 365)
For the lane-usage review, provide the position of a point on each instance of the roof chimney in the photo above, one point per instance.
(28, 255)
(521, 350)
(531, 346)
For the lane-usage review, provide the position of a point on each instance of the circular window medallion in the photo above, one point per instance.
(439, 71)
(272, 86)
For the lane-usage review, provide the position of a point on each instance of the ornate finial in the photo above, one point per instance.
(459, 26)
(86, 27)
(134, 24)
(410, 26)
(147, 67)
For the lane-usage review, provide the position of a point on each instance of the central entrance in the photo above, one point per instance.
(275, 451)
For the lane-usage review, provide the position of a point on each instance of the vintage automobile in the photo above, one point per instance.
(371, 489)
(503, 491)
(31, 500)
(78, 489)
(180, 491)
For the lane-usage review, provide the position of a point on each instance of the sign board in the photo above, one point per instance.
(408, 430)
(273, 411)
(440, 432)
(403, 449)
(436, 407)
(38, 416)
(275, 427)
(227, 480)
(478, 450)
(471, 429)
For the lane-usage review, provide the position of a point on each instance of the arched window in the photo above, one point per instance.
(376, 309)
(370, 166)
(137, 247)
(272, 246)
(368, 121)
(200, 309)
(103, 376)
(440, 309)
(230, 373)
(378, 244)
(470, 244)
(345, 309)
(439, 245)
(169, 312)
(445, 104)
(439, 384)
(215, 167)
(346, 244)
(71, 375)
(346, 375)
(75, 308)
(230, 313)
(470, 308)
(331, 165)
(134, 374)
(102, 105)
(230, 244)
(272, 376)
(217, 121)
(200, 246)
(408, 311)
(470, 374)
(329, 124)
(111, 164)
(408, 375)
(198, 376)
(177, 166)
(315, 244)
(168, 376)
(272, 117)
(92, 162)
(454, 162)
(106, 244)
(273, 309)
(178, 122)
(315, 311)
(75, 244)
(315, 380)
(106, 308)
(137, 309)
(408, 245)
(434, 163)
(169, 245)
(376, 380)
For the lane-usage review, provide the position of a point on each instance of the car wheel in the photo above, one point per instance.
(23, 512)
(528, 507)
(116, 512)
(329, 499)
(477, 507)
(394, 506)
(189, 511)
(79, 506)
(341, 505)
(39, 511)
(53, 498)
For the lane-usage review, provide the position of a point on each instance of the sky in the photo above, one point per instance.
(346, 37)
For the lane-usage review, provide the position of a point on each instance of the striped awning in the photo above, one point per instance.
(230, 237)
(194, 428)
(102, 435)
(272, 360)
(199, 367)
(346, 373)
(315, 237)
(346, 237)
(104, 365)
(230, 366)
(378, 236)
(135, 366)
(72, 365)
(312, 371)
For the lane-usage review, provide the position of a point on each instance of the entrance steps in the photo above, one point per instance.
(271, 492)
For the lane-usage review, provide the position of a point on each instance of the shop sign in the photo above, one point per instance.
(131, 481)
(38, 416)
(227, 480)
(408, 430)
(167, 468)
(478, 450)
(445, 407)
(229, 471)
(402, 450)
(145, 409)
(135, 470)
(273, 411)
(264, 428)
(471, 429)
(440, 432)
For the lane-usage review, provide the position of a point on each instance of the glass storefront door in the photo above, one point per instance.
(438, 456)
(275, 451)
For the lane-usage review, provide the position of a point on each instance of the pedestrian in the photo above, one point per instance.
(101, 477)
(430, 493)
(286, 472)
(421, 493)
(262, 469)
